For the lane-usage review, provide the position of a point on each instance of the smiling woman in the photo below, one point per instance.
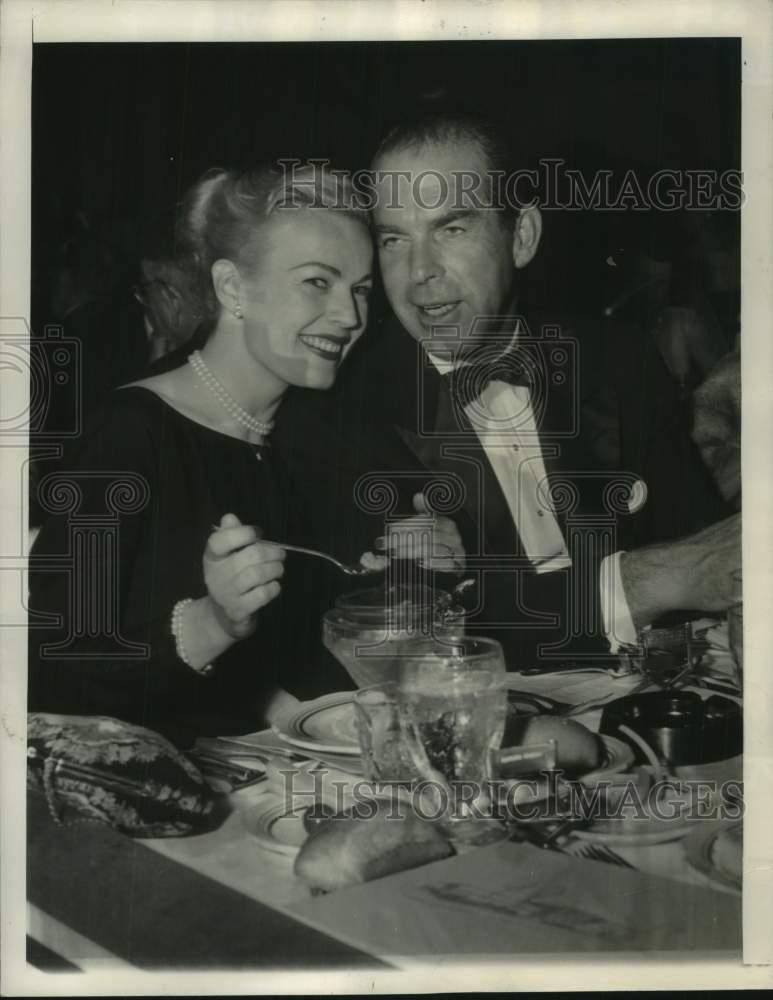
(184, 629)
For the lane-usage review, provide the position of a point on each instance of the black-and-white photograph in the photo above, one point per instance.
(379, 558)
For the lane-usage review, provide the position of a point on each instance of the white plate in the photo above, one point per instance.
(699, 851)
(325, 724)
(646, 832)
(633, 831)
(618, 757)
(276, 827)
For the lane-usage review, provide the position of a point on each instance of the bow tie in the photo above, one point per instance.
(468, 382)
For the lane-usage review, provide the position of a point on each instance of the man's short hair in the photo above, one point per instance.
(435, 123)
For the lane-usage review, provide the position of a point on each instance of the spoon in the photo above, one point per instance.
(346, 568)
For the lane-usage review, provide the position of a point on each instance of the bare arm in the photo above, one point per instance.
(691, 573)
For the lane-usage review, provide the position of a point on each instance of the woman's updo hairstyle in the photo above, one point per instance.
(221, 213)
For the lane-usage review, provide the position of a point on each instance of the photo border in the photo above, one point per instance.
(23, 21)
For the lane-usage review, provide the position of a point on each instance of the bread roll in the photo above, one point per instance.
(352, 849)
(577, 749)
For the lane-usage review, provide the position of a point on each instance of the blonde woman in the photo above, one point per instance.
(284, 271)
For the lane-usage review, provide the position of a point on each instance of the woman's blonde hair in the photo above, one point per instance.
(219, 215)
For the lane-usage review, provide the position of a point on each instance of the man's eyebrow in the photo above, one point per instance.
(455, 215)
(318, 263)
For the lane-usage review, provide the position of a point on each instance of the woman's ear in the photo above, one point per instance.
(227, 284)
(526, 235)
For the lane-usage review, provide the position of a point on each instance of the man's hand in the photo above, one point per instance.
(693, 573)
(432, 541)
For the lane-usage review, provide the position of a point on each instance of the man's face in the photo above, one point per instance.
(444, 263)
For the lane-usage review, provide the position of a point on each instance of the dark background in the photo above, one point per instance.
(120, 130)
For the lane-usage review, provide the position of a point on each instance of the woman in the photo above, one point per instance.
(186, 635)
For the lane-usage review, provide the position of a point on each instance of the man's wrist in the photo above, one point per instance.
(652, 581)
(618, 624)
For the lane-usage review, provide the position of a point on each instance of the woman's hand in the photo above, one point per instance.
(432, 541)
(242, 575)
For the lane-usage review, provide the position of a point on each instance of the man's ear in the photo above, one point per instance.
(526, 235)
(227, 284)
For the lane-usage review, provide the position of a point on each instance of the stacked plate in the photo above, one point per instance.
(326, 728)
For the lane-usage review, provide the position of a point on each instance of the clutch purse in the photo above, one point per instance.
(92, 768)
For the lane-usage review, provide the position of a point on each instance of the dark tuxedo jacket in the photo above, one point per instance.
(390, 428)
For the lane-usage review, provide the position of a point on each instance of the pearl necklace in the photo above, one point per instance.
(226, 400)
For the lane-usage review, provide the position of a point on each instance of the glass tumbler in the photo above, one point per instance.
(367, 630)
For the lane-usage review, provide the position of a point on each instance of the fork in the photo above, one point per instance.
(218, 767)
(346, 568)
(595, 852)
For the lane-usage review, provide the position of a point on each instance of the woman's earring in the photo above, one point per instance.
(238, 311)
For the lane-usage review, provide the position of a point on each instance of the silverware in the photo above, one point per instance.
(232, 747)
(346, 568)
(224, 770)
(728, 686)
(595, 852)
(552, 834)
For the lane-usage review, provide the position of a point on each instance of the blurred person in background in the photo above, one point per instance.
(86, 297)
(717, 426)
(166, 290)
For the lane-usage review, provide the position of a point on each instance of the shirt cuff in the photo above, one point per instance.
(619, 628)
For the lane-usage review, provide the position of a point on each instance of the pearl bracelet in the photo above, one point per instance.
(177, 622)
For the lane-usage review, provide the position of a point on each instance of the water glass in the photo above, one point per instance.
(441, 723)
(388, 746)
(367, 630)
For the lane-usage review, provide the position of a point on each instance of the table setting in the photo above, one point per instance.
(456, 714)
(593, 806)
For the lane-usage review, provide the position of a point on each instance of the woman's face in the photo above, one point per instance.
(306, 301)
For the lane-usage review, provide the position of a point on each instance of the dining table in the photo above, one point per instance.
(229, 898)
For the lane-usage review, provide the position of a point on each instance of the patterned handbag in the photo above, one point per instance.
(97, 769)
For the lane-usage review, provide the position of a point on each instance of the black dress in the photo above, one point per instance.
(127, 527)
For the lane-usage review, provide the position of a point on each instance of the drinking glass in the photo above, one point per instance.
(367, 630)
(441, 723)
(387, 744)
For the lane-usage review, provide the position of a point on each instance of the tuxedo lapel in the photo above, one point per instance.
(443, 440)
(555, 412)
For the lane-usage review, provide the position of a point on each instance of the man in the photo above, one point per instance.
(432, 393)
(717, 426)
(167, 293)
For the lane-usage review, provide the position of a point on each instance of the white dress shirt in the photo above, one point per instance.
(503, 419)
